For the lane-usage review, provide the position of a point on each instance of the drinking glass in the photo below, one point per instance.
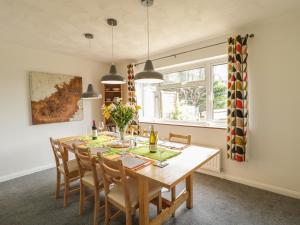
(161, 161)
(101, 126)
(132, 142)
(88, 132)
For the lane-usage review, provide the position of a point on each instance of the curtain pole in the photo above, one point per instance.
(188, 51)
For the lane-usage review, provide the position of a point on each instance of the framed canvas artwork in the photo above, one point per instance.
(55, 98)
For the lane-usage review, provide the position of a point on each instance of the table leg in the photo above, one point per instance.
(189, 188)
(143, 201)
(173, 197)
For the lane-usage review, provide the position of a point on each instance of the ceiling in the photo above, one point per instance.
(58, 25)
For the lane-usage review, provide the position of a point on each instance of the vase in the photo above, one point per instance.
(122, 133)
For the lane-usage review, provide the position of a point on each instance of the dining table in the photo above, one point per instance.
(182, 161)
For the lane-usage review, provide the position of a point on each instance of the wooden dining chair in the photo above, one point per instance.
(179, 138)
(90, 177)
(66, 168)
(124, 192)
(144, 133)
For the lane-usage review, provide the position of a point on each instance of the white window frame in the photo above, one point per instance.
(207, 82)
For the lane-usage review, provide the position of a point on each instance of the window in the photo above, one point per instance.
(196, 94)
(219, 73)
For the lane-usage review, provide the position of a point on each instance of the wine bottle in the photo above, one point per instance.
(152, 140)
(94, 131)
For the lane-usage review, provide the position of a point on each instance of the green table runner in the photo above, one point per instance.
(99, 142)
(144, 151)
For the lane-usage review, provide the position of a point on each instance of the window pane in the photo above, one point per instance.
(220, 91)
(146, 98)
(169, 101)
(184, 76)
(172, 78)
(186, 103)
(193, 75)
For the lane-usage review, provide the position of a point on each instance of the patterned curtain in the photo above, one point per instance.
(237, 115)
(134, 126)
(130, 86)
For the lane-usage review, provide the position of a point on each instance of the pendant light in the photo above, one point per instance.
(90, 93)
(112, 77)
(149, 75)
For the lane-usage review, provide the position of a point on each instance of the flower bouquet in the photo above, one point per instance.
(121, 115)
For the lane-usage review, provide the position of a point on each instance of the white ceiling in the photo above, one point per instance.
(58, 25)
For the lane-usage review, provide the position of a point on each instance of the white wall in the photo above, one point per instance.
(25, 148)
(274, 78)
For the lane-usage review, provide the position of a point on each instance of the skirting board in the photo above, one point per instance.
(255, 184)
(26, 172)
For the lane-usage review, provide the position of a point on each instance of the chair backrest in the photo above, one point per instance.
(60, 154)
(184, 139)
(144, 133)
(132, 129)
(86, 162)
(113, 172)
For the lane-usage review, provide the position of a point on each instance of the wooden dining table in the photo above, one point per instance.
(179, 168)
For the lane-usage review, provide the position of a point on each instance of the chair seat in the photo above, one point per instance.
(72, 167)
(88, 179)
(117, 193)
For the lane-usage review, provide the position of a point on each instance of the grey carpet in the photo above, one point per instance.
(29, 200)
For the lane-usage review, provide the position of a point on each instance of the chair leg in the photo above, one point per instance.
(107, 212)
(81, 199)
(66, 191)
(96, 207)
(173, 193)
(57, 192)
(128, 217)
(159, 203)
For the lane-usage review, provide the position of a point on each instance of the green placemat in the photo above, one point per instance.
(99, 142)
(112, 152)
(144, 151)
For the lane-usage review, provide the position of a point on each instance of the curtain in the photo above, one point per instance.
(237, 115)
(134, 126)
(130, 86)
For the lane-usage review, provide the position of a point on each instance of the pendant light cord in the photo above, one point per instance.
(112, 45)
(148, 30)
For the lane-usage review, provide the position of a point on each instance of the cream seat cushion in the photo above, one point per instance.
(88, 178)
(117, 194)
(72, 166)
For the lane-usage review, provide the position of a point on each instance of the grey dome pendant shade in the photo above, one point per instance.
(90, 93)
(112, 77)
(149, 75)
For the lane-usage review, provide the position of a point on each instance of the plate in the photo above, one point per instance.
(118, 145)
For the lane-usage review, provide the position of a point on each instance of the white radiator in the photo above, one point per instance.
(213, 165)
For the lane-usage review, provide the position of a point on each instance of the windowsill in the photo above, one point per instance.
(186, 124)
